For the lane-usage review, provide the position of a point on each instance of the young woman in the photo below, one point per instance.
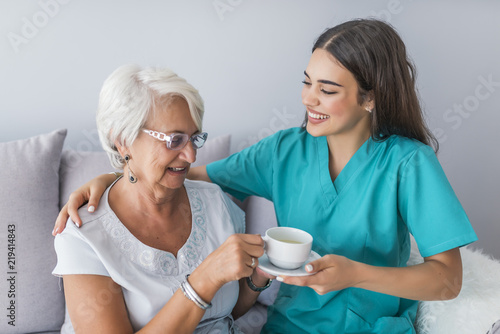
(360, 176)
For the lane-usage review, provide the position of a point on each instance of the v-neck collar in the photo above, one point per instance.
(160, 261)
(332, 190)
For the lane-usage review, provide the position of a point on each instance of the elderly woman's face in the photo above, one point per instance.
(153, 163)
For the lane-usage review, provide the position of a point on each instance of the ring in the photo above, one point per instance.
(253, 262)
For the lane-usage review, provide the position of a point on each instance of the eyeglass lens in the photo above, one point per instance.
(179, 140)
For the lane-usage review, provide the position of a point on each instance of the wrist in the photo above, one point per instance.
(260, 286)
(203, 285)
(259, 280)
(359, 274)
(192, 295)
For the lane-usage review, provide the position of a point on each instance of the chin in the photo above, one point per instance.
(315, 131)
(172, 182)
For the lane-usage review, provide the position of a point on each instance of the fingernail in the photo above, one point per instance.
(309, 268)
(91, 208)
(279, 279)
(54, 231)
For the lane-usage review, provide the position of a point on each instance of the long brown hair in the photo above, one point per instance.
(375, 54)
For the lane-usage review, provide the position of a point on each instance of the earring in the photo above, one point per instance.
(368, 109)
(131, 175)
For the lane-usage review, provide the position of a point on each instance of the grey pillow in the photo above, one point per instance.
(78, 167)
(30, 297)
(215, 148)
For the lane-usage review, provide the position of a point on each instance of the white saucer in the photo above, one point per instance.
(270, 268)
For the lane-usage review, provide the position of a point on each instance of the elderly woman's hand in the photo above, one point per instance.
(236, 258)
(92, 192)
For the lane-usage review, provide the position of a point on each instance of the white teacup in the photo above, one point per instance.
(287, 247)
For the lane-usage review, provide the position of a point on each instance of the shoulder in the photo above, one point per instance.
(285, 137)
(202, 187)
(293, 135)
(401, 148)
(210, 194)
(90, 220)
(215, 202)
(289, 141)
(91, 223)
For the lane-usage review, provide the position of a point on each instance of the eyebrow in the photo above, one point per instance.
(328, 82)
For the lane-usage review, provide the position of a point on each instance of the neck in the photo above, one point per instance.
(155, 205)
(341, 148)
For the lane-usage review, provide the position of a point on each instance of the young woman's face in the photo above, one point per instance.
(330, 95)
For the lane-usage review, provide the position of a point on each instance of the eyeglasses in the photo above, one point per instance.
(177, 141)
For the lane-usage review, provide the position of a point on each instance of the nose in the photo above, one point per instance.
(309, 96)
(188, 153)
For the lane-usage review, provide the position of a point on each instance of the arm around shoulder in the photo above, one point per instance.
(198, 174)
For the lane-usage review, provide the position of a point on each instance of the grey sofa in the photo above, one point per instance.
(36, 178)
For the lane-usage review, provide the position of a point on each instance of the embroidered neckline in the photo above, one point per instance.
(156, 261)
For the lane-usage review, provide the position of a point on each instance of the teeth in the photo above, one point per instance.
(176, 169)
(316, 116)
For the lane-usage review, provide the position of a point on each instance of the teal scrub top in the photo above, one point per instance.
(387, 190)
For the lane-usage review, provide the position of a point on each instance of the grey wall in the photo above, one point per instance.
(247, 59)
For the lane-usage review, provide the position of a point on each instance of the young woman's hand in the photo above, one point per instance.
(331, 273)
(439, 277)
(92, 192)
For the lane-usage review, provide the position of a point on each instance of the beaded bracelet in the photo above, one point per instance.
(190, 294)
(255, 288)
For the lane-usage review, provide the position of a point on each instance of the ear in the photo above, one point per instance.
(123, 150)
(369, 101)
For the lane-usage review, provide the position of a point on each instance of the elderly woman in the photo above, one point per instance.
(161, 253)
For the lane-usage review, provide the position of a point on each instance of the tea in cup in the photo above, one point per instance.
(287, 247)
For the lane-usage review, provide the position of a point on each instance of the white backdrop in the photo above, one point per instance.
(247, 60)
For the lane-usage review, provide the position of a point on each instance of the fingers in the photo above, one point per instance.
(317, 265)
(251, 244)
(238, 256)
(295, 280)
(318, 282)
(61, 220)
(75, 201)
(254, 239)
(93, 198)
(312, 267)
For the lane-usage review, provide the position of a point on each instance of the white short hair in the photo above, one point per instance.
(129, 96)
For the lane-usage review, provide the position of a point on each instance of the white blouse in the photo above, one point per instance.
(148, 276)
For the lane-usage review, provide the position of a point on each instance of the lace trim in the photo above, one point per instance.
(159, 262)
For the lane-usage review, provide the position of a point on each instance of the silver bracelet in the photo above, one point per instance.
(190, 294)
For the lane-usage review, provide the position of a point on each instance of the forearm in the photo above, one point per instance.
(432, 280)
(248, 297)
(198, 173)
(180, 314)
